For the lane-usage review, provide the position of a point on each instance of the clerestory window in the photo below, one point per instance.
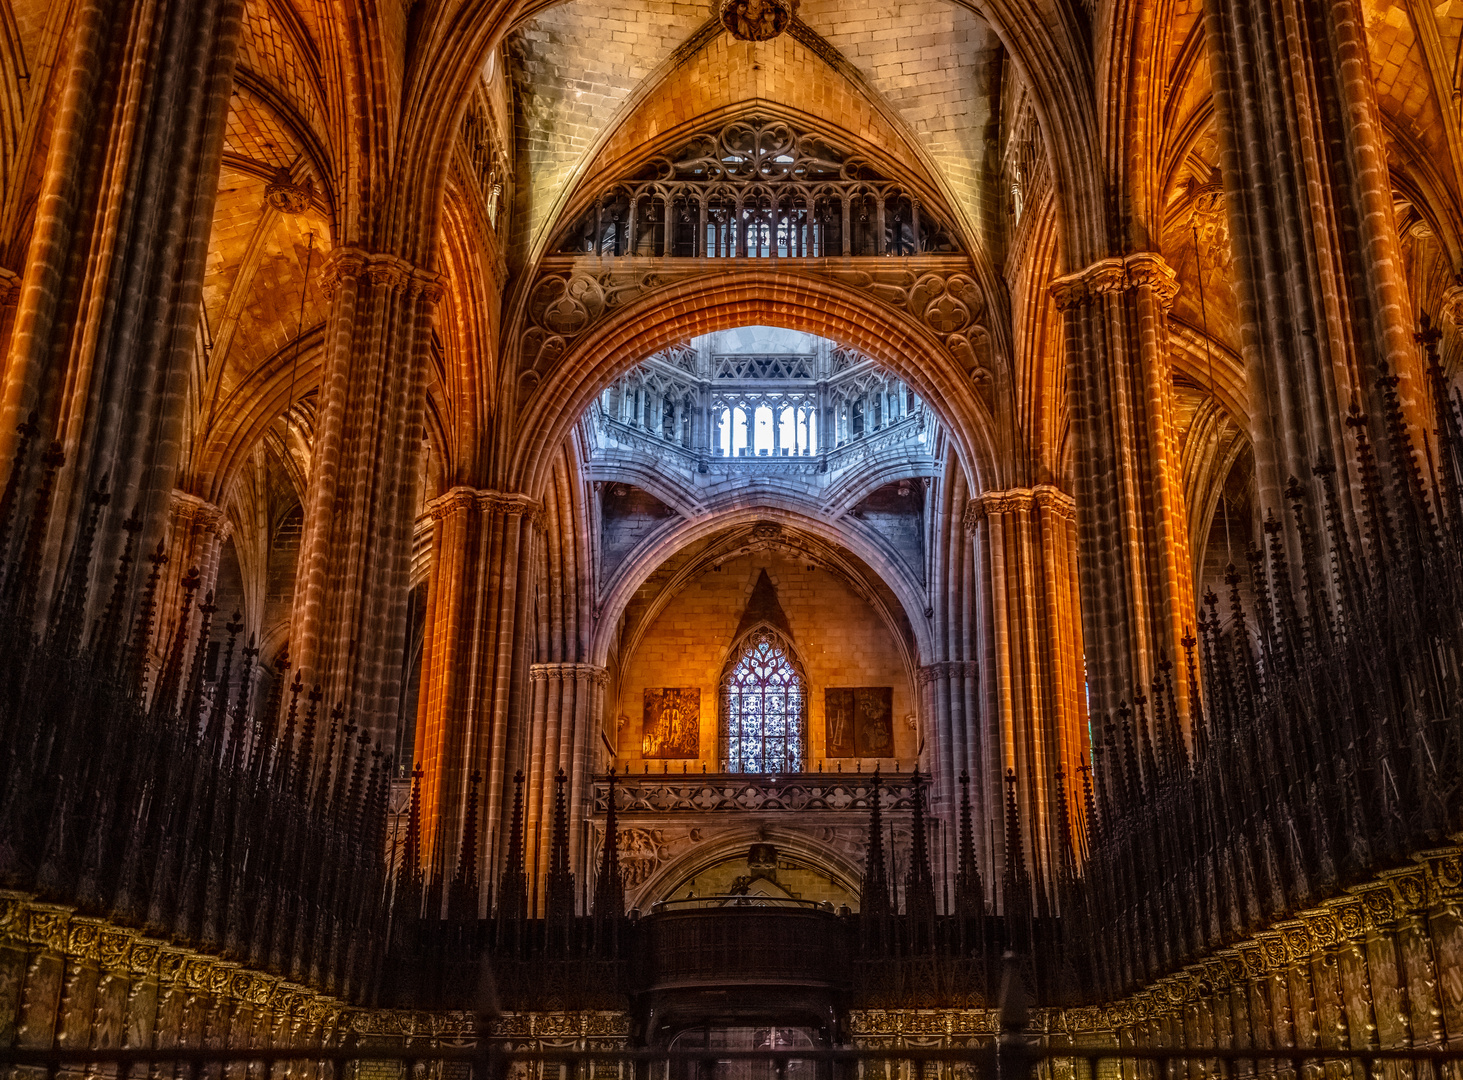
(764, 707)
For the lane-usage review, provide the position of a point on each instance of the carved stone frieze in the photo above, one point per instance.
(732, 793)
(573, 294)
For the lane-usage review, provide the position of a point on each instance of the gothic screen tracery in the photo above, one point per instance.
(757, 188)
(764, 707)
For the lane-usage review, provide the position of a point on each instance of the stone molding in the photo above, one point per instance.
(1117, 275)
(1051, 499)
(544, 672)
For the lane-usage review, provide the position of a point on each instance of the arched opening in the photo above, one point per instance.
(764, 706)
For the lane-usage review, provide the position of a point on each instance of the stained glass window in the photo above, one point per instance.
(764, 707)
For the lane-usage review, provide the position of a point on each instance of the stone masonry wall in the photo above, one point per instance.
(840, 639)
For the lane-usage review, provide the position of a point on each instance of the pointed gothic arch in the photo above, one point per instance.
(763, 699)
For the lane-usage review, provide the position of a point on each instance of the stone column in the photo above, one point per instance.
(106, 322)
(1318, 275)
(1132, 523)
(567, 708)
(1030, 639)
(348, 626)
(196, 534)
(475, 660)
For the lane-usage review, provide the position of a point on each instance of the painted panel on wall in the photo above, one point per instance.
(672, 724)
(859, 721)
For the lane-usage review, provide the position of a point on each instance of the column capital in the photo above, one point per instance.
(391, 271)
(189, 510)
(462, 499)
(1117, 274)
(947, 669)
(593, 672)
(1015, 500)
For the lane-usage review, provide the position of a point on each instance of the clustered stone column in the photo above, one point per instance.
(566, 707)
(1031, 649)
(348, 626)
(474, 657)
(106, 322)
(196, 534)
(1132, 523)
(1318, 275)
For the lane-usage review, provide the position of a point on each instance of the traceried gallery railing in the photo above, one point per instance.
(759, 407)
(758, 189)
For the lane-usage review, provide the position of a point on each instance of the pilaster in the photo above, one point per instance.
(196, 533)
(567, 708)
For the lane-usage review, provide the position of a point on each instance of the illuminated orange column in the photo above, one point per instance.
(475, 660)
(1132, 523)
(1030, 632)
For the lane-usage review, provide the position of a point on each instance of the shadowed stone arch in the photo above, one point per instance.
(839, 865)
(637, 570)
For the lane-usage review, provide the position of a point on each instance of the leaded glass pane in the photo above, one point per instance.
(764, 705)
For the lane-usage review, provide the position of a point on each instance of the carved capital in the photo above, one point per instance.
(942, 670)
(595, 675)
(1144, 269)
(464, 499)
(189, 512)
(453, 501)
(1045, 497)
(1055, 501)
(973, 516)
